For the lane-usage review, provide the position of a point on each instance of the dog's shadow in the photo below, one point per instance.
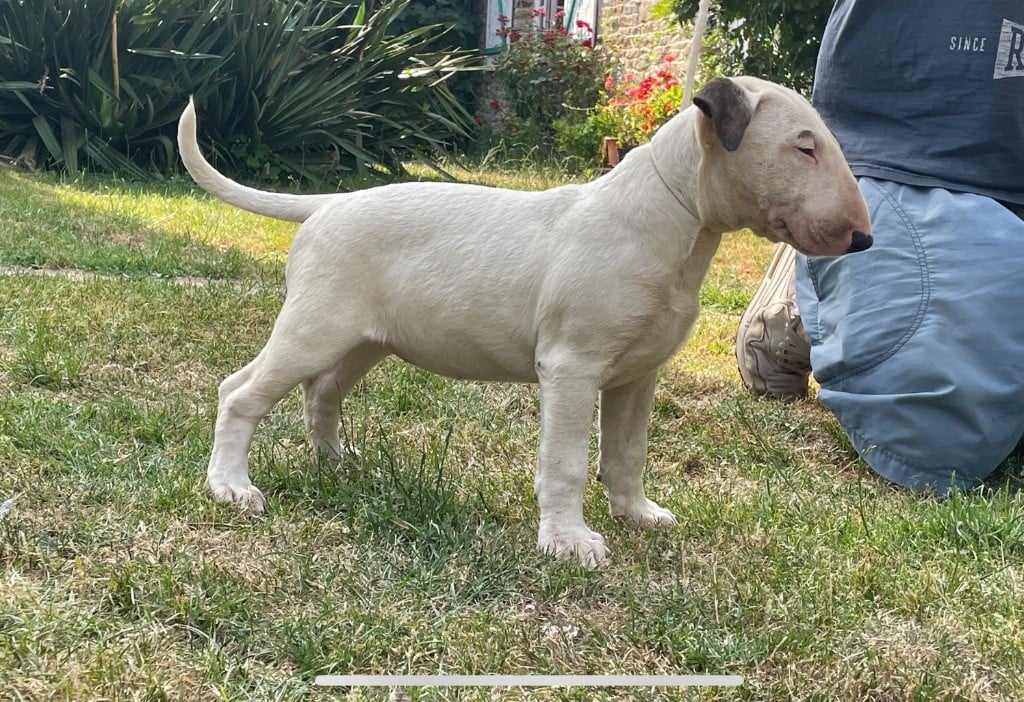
(396, 494)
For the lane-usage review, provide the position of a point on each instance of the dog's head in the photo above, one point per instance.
(770, 163)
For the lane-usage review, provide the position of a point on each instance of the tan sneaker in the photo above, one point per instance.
(773, 351)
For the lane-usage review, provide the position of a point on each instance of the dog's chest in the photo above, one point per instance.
(673, 308)
(658, 338)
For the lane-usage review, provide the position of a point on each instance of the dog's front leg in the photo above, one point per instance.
(625, 414)
(567, 411)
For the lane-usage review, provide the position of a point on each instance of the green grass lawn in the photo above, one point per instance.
(123, 306)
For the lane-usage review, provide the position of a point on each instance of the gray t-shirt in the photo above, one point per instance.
(928, 92)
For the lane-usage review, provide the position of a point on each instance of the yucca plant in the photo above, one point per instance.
(87, 99)
(317, 85)
(291, 87)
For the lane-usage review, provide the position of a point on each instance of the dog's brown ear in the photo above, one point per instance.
(729, 109)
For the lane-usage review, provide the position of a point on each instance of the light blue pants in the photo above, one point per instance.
(918, 342)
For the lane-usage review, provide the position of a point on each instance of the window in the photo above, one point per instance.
(575, 11)
(585, 11)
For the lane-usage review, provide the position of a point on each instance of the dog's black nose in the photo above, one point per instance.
(861, 242)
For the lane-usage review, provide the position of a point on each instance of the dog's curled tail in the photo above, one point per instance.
(292, 208)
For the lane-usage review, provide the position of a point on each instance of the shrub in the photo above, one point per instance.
(639, 107)
(322, 86)
(777, 40)
(56, 80)
(463, 21)
(299, 87)
(631, 110)
(547, 76)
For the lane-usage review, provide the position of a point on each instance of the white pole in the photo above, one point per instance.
(699, 26)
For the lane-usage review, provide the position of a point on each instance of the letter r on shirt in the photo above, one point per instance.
(1010, 54)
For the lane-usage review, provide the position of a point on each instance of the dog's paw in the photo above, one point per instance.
(645, 514)
(329, 451)
(578, 543)
(246, 496)
(334, 452)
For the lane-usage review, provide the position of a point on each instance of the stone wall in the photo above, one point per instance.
(523, 14)
(639, 41)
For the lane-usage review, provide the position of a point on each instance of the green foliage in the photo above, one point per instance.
(580, 142)
(462, 19)
(294, 87)
(333, 76)
(631, 110)
(547, 76)
(57, 87)
(463, 22)
(776, 40)
(641, 106)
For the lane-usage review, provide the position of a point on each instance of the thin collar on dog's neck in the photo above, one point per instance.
(676, 195)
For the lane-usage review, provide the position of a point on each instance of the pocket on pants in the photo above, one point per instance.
(861, 309)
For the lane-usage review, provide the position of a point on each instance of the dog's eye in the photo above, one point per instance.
(809, 152)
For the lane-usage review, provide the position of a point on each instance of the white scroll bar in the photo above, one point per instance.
(529, 680)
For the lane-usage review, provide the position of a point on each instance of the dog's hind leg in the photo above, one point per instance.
(297, 351)
(625, 414)
(322, 397)
(237, 416)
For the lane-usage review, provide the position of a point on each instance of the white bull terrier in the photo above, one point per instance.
(584, 289)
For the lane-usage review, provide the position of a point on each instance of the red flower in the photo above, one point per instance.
(580, 24)
(587, 43)
(539, 12)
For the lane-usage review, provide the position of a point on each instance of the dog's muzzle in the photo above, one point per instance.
(861, 242)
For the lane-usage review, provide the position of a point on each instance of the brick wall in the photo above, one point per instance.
(523, 14)
(638, 40)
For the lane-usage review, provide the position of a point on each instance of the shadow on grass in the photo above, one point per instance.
(119, 232)
(394, 490)
(1009, 476)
